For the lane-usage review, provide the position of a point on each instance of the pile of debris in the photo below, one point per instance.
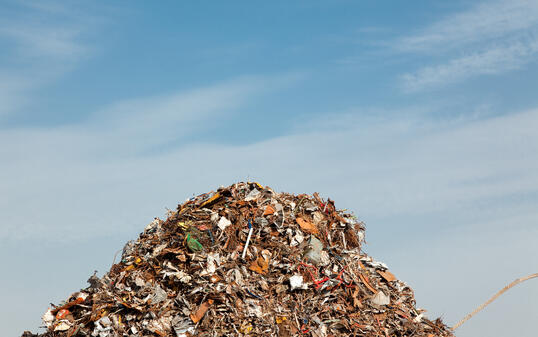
(241, 261)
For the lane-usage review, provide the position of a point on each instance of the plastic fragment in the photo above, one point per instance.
(48, 318)
(250, 231)
(380, 298)
(296, 282)
(223, 223)
(193, 244)
(253, 195)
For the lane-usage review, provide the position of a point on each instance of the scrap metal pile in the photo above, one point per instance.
(242, 261)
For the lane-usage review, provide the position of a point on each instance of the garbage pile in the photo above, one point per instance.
(245, 261)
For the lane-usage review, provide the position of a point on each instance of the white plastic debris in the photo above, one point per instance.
(380, 298)
(253, 309)
(105, 321)
(253, 195)
(213, 259)
(248, 241)
(223, 223)
(48, 318)
(296, 282)
(82, 295)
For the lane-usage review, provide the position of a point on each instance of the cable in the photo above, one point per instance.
(499, 293)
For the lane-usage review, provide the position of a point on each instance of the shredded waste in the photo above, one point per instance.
(245, 261)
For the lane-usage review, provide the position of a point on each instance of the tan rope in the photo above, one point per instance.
(499, 293)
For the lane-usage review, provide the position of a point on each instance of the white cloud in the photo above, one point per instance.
(493, 37)
(493, 60)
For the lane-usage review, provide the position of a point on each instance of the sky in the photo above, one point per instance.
(418, 116)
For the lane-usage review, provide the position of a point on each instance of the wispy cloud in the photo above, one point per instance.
(443, 164)
(493, 60)
(482, 22)
(39, 42)
(493, 37)
(43, 40)
(107, 145)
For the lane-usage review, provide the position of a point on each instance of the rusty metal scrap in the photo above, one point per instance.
(303, 274)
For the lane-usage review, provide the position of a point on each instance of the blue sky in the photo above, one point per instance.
(421, 117)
